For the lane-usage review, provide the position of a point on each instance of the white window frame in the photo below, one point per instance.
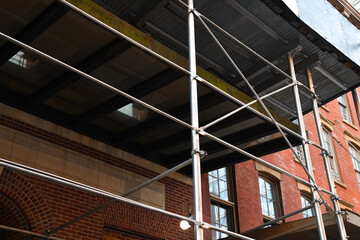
(332, 158)
(222, 207)
(344, 109)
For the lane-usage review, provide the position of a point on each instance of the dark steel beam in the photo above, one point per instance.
(140, 90)
(261, 66)
(97, 59)
(182, 111)
(184, 136)
(271, 32)
(149, 9)
(244, 136)
(302, 65)
(37, 26)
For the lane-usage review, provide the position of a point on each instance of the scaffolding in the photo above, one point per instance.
(200, 131)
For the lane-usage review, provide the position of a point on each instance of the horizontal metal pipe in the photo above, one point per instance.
(279, 219)
(255, 158)
(28, 232)
(87, 188)
(244, 46)
(239, 236)
(244, 106)
(91, 78)
(76, 9)
(148, 182)
(288, 130)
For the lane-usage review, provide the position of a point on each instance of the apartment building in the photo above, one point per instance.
(101, 138)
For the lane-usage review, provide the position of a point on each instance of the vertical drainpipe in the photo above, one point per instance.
(317, 208)
(198, 231)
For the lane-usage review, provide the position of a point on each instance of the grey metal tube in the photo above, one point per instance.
(100, 23)
(279, 219)
(196, 170)
(245, 106)
(87, 188)
(339, 219)
(288, 130)
(28, 232)
(148, 182)
(317, 208)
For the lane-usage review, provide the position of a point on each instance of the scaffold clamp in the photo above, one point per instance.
(201, 152)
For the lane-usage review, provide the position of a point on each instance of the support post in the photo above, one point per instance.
(198, 231)
(318, 214)
(356, 98)
(338, 214)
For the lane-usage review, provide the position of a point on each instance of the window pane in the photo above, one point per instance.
(218, 183)
(267, 198)
(304, 203)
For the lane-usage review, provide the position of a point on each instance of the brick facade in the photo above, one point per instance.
(38, 205)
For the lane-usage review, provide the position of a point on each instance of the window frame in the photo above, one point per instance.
(306, 197)
(229, 204)
(334, 165)
(357, 155)
(344, 109)
(276, 197)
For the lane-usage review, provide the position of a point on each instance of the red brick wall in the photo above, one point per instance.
(247, 182)
(47, 204)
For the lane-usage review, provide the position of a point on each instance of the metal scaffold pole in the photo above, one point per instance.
(198, 231)
(335, 200)
(318, 214)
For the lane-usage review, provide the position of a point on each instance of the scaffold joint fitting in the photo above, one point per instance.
(202, 153)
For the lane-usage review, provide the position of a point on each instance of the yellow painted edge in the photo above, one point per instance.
(115, 22)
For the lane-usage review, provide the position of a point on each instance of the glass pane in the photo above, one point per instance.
(264, 206)
(224, 195)
(214, 188)
(262, 187)
(269, 191)
(213, 173)
(271, 209)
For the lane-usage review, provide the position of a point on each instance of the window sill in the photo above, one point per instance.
(341, 184)
(325, 108)
(350, 124)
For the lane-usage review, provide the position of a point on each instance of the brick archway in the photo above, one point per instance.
(21, 206)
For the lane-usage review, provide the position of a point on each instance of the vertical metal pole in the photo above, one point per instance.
(318, 215)
(356, 102)
(335, 201)
(198, 231)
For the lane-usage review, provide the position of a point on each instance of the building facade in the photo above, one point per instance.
(74, 148)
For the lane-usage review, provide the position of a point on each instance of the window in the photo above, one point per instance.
(268, 199)
(305, 201)
(344, 109)
(300, 153)
(355, 3)
(330, 148)
(222, 207)
(355, 157)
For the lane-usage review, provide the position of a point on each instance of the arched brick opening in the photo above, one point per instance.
(11, 215)
(21, 206)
